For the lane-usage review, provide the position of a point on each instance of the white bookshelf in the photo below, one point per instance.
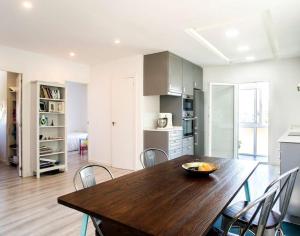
(49, 123)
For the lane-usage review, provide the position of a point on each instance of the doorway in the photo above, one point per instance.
(77, 120)
(10, 119)
(253, 121)
(238, 121)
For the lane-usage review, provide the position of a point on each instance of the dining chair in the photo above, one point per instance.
(153, 156)
(273, 226)
(260, 208)
(87, 177)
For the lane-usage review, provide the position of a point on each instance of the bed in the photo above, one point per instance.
(73, 140)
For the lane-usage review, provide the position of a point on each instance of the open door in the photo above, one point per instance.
(19, 122)
(223, 118)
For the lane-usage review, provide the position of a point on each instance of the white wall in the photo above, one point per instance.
(283, 77)
(77, 116)
(38, 67)
(151, 106)
(100, 106)
(3, 115)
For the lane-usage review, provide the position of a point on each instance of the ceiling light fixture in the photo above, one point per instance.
(232, 33)
(194, 33)
(243, 48)
(72, 54)
(27, 4)
(117, 41)
(250, 58)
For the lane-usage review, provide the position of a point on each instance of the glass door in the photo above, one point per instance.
(253, 121)
(223, 120)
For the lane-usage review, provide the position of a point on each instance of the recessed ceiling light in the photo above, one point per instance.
(72, 54)
(117, 41)
(243, 48)
(232, 33)
(250, 58)
(27, 4)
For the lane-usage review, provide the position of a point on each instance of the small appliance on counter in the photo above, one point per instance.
(164, 121)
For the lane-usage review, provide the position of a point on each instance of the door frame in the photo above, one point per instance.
(20, 128)
(235, 118)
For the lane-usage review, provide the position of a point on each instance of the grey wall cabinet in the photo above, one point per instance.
(188, 74)
(198, 77)
(162, 74)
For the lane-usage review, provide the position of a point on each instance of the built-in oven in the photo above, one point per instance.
(188, 124)
(187, 103)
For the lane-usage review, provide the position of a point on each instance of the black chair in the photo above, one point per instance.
(286, 181)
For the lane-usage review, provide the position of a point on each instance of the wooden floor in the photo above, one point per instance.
(29, 206)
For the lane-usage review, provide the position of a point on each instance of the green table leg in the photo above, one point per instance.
(84, 224)
(247, 191)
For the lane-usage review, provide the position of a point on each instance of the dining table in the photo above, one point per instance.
(164, 199)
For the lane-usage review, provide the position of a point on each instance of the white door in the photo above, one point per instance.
(123, 123)
(223, 121)
(19, 121)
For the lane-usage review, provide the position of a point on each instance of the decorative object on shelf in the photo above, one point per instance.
(60, 107)
(55, 93)
(43, 106)
(44, 120)
(52, 123)
(41, 136)
(52, 107)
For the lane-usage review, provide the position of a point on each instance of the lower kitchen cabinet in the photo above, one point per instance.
(188, 146)
(169, 140)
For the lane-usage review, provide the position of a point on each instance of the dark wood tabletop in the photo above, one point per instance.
(164, 200)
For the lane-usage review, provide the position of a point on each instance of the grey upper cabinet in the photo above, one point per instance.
(198, 77)
(168, 74)
(162, 74)
(188, 75)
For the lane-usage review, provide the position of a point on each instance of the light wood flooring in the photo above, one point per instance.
(28, 206)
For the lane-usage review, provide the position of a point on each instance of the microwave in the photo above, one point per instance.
(188, 103)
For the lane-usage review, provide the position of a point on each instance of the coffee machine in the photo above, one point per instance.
(164, 121)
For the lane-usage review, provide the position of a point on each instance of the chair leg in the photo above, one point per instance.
(84, 224)
(279, 232)
(247, 191)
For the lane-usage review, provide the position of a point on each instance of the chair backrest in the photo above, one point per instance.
(264, 206)
(153, 156)
(287, 182)
(87, 175)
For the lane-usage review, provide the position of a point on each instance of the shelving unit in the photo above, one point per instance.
(50, 129)
(11, 123)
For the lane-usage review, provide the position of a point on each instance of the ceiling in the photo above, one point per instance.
(269, 28)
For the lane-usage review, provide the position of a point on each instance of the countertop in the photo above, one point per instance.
(289, 138)
(164, 129)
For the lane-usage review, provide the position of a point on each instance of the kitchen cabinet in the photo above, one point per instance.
(289, 159)
(162, 74)
(198, 77)
(188, 77)
(169, 140)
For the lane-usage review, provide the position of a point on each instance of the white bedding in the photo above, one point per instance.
(73, 140)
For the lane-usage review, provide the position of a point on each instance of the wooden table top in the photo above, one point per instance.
(164, 200)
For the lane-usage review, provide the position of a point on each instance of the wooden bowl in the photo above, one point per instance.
(200, 168)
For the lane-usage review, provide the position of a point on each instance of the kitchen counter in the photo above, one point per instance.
(164, 129)
(286, 138)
